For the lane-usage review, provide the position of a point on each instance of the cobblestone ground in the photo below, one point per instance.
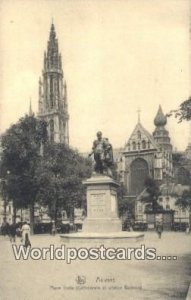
(129, 279)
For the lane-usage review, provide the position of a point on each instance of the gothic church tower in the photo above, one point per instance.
(53, 107)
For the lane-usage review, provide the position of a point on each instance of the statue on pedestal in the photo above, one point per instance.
(103, 155)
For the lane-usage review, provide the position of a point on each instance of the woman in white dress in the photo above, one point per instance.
(26, 234)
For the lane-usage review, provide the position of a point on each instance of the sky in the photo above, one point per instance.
(118, 56)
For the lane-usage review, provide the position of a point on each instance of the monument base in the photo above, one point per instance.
(102, 223)
(102, 238)
(102, 206)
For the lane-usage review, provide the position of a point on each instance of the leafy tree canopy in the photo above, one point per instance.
(60, 174)
(150, 195)
(21, 145)
(183, 112)
(184, 201)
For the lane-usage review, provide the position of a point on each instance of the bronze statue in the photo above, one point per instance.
(103, 155)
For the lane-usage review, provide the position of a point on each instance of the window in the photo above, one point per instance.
(138, 145)
(167, 206)
(157, 174)
(149, 144)
(143, 144)
(52, 130)
(138, 134)
(51, 92)
(160, 199)
(140, 210)
(134, 145)
(184, 212)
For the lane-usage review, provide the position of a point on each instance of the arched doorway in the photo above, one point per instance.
(139, 171)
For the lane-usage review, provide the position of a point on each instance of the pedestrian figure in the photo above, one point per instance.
(18, 230)
(53, 228)
(159, 230)
(26, 234)
(12, 233)
(187, 228)
(5, 228)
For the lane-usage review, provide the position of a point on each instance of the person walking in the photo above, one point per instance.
(12, 233)
(53, 231)
(159, 230)
(26, 235)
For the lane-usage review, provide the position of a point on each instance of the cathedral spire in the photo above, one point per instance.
(51, 58)
(52, 92)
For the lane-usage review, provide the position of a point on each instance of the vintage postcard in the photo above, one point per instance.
(95, 149)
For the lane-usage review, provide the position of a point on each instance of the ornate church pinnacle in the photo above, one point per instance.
(30, 109)
(160, 119)
(139, 115)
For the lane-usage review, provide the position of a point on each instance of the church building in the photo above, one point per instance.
(147, 155)
(53, 106)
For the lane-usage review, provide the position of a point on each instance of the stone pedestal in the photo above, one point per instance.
(102, 205)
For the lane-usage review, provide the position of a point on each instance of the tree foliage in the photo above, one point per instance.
(150, 195)
(183, 112)
(54, 179)
(184, 201)
(21, 145)
(60, 178)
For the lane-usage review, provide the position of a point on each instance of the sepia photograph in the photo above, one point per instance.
(95, 149)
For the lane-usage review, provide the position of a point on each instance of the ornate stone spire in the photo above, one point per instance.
(160, 134)
(52, 95)
(52, 57)
(160, 119)
(139, 115)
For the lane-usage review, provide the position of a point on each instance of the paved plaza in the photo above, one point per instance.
(126, 279)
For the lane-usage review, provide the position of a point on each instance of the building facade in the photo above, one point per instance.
(171, 214)
(53, 105)
(147, 155)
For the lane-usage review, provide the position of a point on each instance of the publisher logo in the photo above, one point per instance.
(80, 279)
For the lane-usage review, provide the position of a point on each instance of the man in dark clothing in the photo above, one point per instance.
(12, 233)
(159, 230)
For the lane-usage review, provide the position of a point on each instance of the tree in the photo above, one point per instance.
(184, 201)
(60, 174)
(150, 195)
(183, 112)
(21, 155)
